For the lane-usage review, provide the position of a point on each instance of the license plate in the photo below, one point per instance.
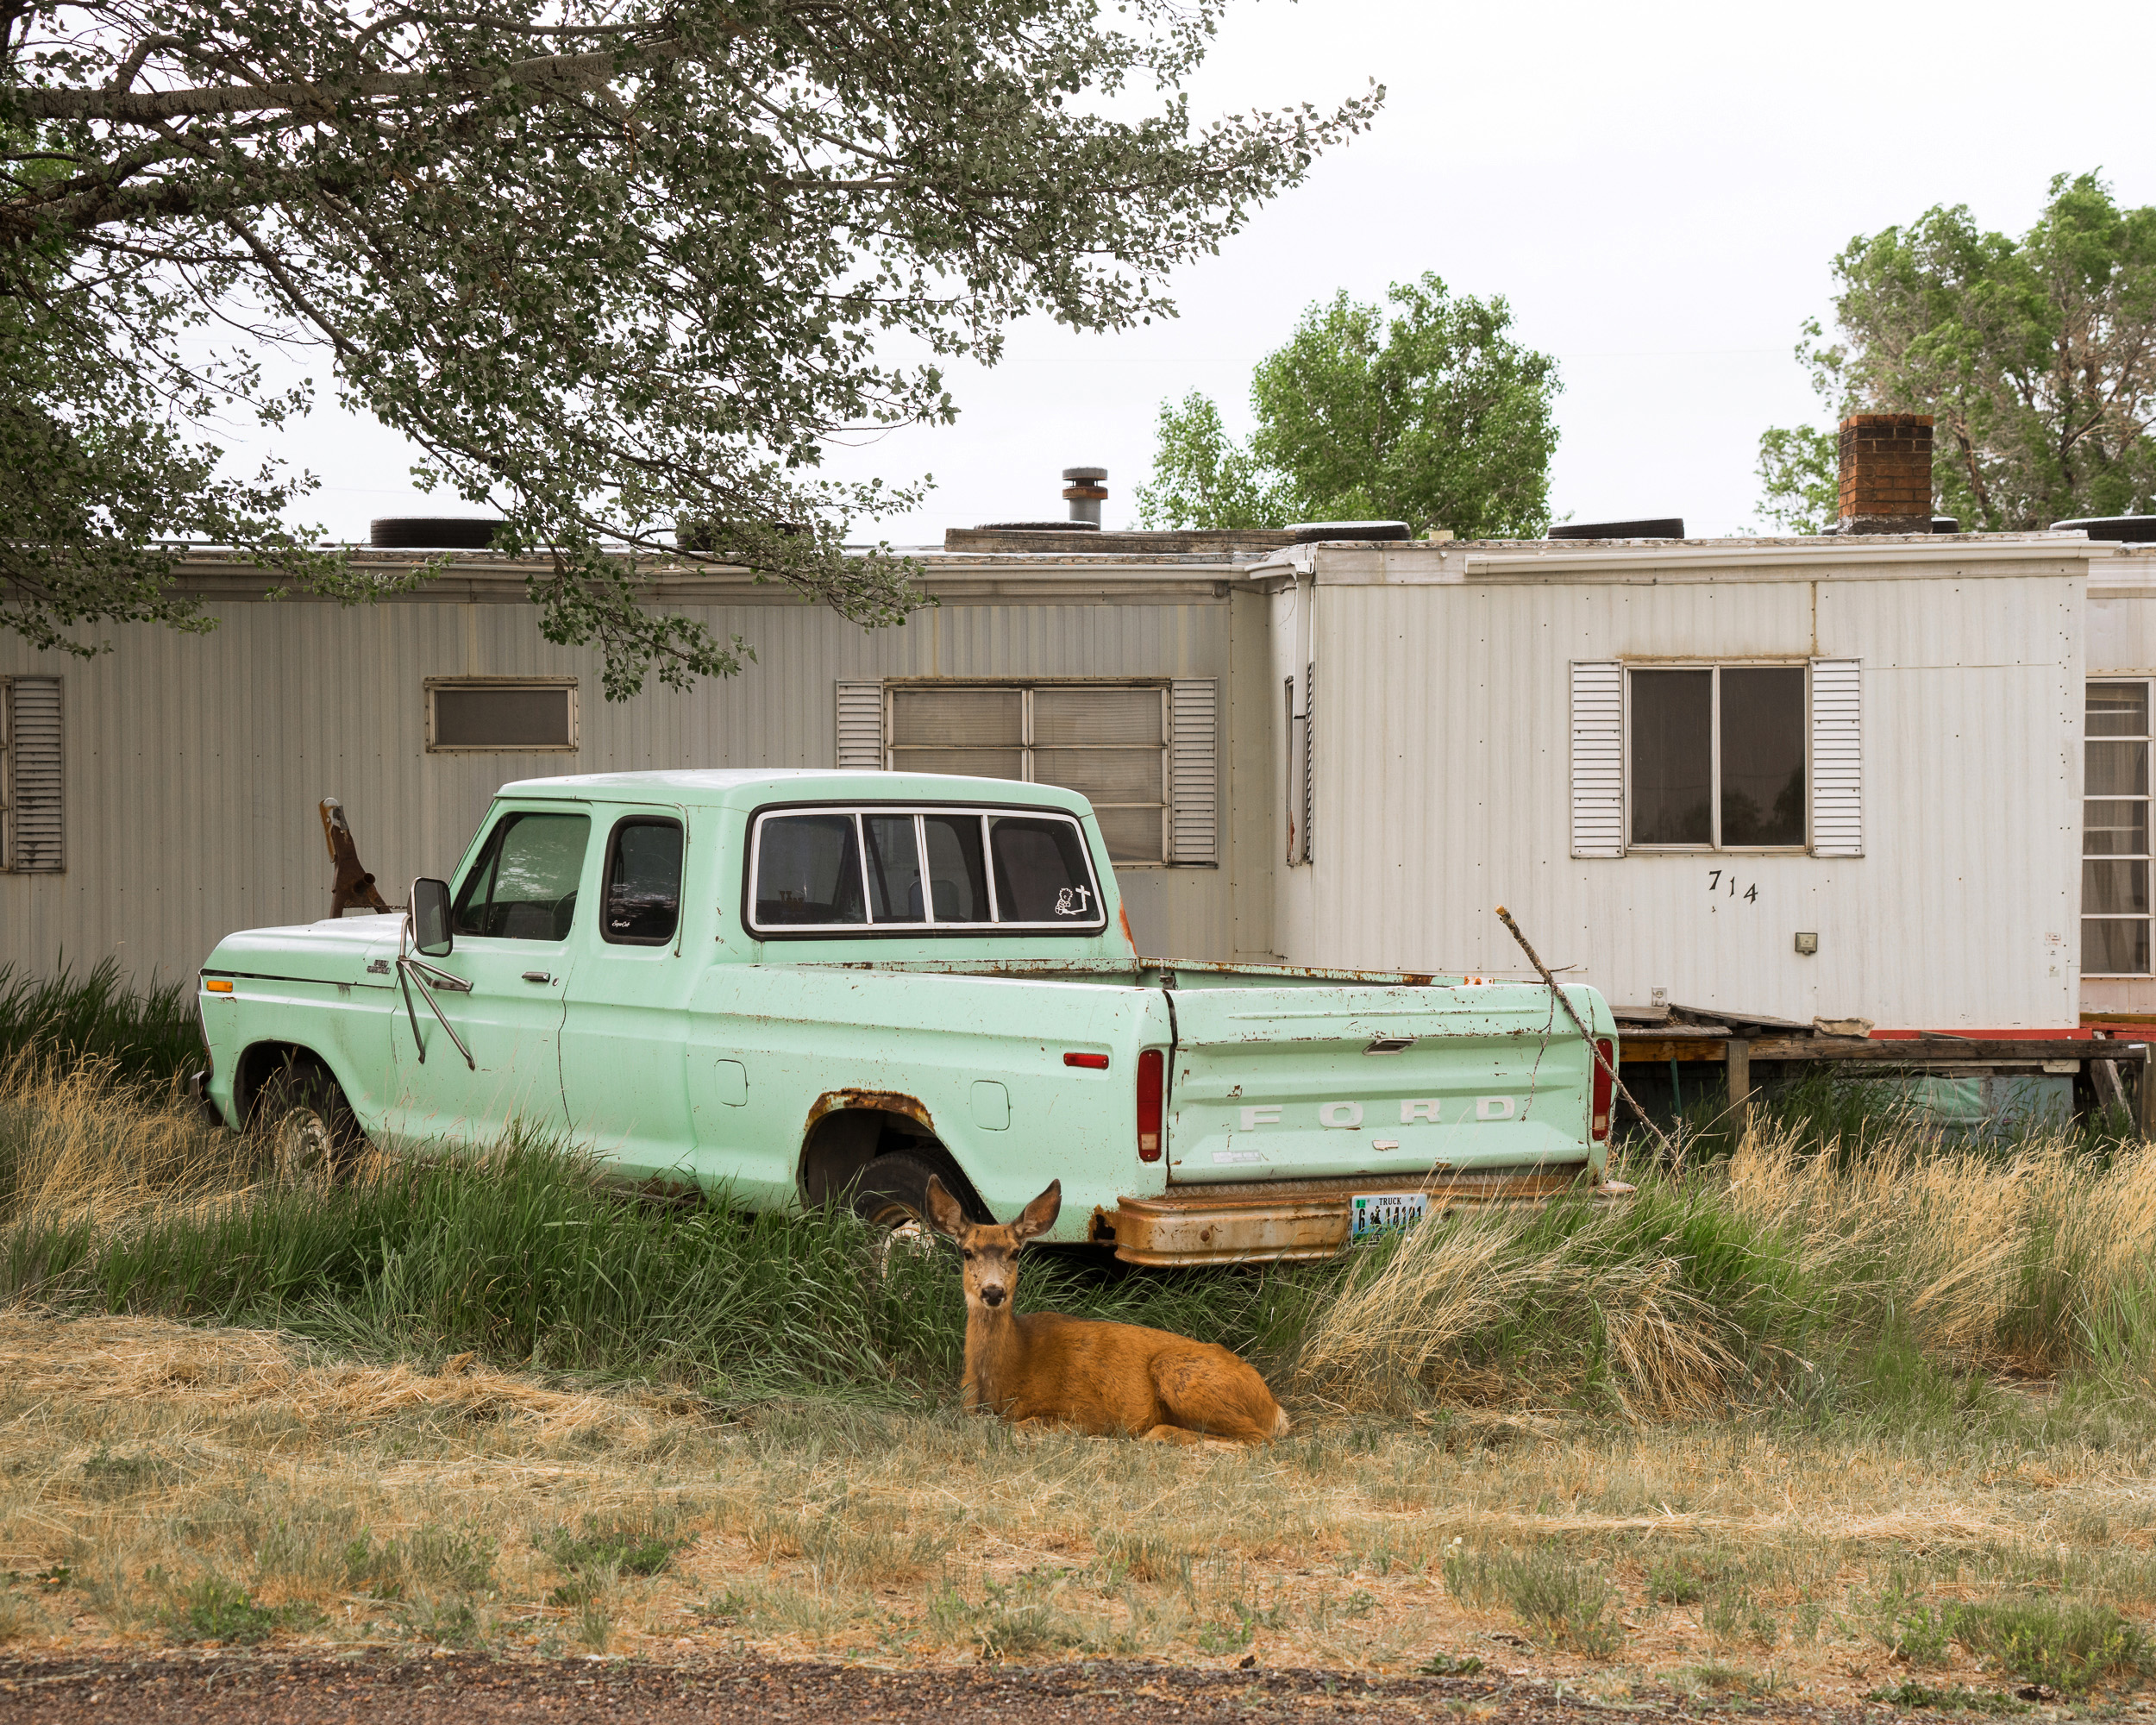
(1374, 1212)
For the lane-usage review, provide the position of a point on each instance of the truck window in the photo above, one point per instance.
(957, 871)
(1041, 870)
(523, 886)
(643, 904)
(808, 871)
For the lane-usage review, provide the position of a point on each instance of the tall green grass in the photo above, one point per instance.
(149, 1032)
(1886, 1285)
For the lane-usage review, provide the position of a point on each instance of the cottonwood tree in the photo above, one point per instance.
(2036, 356)
(611, 265)
(1435, 415)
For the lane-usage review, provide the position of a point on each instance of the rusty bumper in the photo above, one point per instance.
(1293, 1221)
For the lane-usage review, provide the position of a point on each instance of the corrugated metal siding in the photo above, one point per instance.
(1443, 783)
(194, 763)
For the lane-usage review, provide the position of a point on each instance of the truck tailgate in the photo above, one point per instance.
(1295, 1083)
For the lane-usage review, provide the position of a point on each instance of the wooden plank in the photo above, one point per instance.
(1662, 1048)
(1932, 1051)
(1739, 1084)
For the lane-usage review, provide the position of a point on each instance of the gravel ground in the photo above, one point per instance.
(273, 1690)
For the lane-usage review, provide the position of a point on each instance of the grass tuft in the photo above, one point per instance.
(1560, 1601)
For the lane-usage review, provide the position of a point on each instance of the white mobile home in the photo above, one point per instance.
(1825, 777)
(1839, 777)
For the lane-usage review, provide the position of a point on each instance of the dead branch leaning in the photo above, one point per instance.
(1604, 1060)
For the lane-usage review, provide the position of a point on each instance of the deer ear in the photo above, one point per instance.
(944, 1212)
(1040, 1216)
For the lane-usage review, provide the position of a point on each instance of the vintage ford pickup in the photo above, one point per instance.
(799, 987)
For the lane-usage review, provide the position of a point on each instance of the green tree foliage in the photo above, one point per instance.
(2037, 357)
(611, 267)
(1433, 415)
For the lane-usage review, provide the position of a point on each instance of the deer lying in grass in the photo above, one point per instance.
(1111, 1380)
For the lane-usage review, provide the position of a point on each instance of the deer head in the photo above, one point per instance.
(991, 1252)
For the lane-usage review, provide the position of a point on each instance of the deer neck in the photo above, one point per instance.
(994, 1345)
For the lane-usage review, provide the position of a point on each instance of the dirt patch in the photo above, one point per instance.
(209, 1692)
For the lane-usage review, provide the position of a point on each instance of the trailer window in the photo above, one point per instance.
(1110, 742)
(923, 871)
(1716, 757)
(524, 885)
(2115, 840)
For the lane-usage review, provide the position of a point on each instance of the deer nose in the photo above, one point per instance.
(992, 1296)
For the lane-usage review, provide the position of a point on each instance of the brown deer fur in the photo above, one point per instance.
(1113, 1380)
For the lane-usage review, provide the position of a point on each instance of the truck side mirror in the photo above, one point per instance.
(430, 918)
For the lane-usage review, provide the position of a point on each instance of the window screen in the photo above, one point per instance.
(1716, 757)
(508, 716)
(1109, 741)
(643, 884)
(2114, 848)
(524, 885)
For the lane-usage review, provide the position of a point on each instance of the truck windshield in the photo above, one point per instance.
(925, 871)
(523, 886)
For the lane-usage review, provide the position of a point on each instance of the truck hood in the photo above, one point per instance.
(338, 950)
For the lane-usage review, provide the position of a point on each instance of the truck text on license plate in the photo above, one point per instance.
(1374, 1211)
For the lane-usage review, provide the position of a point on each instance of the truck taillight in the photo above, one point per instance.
(1599, 1121)
(1152, 1084)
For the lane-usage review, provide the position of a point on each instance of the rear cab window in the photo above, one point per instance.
(921, 870)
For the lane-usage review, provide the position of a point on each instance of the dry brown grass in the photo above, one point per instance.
(79, 1142)
(143, 1457)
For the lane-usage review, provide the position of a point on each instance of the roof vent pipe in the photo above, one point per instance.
(1086, 490)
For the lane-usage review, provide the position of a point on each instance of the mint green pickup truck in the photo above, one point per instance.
(791, 988)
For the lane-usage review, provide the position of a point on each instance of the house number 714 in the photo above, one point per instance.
(1714, 884)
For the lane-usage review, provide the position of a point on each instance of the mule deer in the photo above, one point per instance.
(1108, 1379)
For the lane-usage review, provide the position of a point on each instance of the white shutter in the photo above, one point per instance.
(1193, 771)
(34, 834)
(1837, 757)
(1598, 758)
(861, 727)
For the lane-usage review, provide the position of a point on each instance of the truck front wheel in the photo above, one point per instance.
(892, 1192)
(307, 1125)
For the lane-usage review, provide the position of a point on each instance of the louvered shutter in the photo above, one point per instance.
(861, 727)
(1193, 771)
(34, 835)
(1837, 757)
(1598, 758)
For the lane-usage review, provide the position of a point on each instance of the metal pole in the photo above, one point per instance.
(1594, 1047)
(2148, 1091)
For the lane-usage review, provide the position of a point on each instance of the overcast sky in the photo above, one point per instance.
(1657, 191)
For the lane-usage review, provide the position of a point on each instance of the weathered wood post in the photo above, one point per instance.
(1739, 1086)
(2148, 1090)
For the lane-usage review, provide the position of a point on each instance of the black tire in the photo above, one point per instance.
(892, 1191)
(306, 1124)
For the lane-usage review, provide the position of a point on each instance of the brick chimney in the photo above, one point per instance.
(1886, 472)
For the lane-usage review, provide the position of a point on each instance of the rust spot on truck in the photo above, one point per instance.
(889, 1101)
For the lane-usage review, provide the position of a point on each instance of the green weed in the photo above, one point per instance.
(1561, 1602)
(2064, 1643)
(1913, 1695)
(211, 1609)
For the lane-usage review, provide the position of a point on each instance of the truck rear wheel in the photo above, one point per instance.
(308, 1126)
(892, 1193)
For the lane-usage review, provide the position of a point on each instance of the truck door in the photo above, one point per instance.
(512, 915)
(624, 1065)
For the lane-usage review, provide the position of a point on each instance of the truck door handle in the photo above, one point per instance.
(537, 976)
